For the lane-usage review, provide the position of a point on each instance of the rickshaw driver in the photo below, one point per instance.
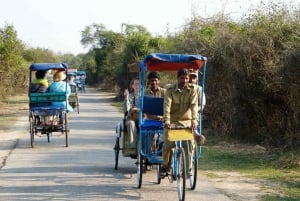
(180, 109)
(193, 79)
(130, 104)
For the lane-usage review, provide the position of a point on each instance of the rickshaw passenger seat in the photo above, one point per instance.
(153, 105)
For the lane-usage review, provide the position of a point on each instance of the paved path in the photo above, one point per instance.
(85, 169)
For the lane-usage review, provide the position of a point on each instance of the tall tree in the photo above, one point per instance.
(11, 69)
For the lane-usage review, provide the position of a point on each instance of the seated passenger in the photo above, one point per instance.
(72, 83)
(40, 84)
(130, 105)
(59, 85)
(154, 90)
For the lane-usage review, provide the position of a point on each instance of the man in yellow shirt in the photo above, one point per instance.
(180, 109)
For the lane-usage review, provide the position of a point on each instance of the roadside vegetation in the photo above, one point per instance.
(276, 170)
(252, 84)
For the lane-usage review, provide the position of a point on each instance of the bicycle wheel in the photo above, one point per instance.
(194, 169)
(117, 150)
(180, 173)
(77, 103)
(158, 176)
(49, 137)
(66, 122)
(139, 174)
(31, 130)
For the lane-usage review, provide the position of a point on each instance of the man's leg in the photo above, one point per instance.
(132, 131)
(166, 152)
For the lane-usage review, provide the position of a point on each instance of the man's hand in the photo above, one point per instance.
(194, 126)
(126, 93)
(167, 126)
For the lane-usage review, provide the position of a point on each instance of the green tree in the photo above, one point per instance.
(12, 72)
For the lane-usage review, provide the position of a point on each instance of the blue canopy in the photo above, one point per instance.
(48, 66)
(172, 62)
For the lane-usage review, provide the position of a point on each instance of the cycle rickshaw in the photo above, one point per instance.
(73, 98)
(149, 128)
(45, 118)
(122, 138)
(80, 80)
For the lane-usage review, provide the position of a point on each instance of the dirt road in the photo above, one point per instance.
(85, 170)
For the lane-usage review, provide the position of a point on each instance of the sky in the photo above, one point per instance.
(57, 24)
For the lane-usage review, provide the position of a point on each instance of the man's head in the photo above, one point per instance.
(135, 85)
(59, 76)
(193, 76)
(183, 77)
(153, 79)
(40, 74)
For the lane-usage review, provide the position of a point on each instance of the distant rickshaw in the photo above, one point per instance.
(45, 118)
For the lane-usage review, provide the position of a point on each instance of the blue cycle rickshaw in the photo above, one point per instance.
(149, 128)
(45, 118)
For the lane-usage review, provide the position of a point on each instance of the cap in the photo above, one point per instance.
(193, 72)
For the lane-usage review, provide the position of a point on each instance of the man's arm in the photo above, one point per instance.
(194, 107)
(167, 108)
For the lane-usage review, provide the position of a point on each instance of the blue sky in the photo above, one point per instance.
(57, 24)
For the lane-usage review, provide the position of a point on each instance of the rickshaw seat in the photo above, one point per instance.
(155, 106)
(152, 124)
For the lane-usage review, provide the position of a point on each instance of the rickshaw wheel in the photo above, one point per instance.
(181, 173)
(158, 173)
(31, 130)
(117, 150)
(66, 129)
(49, 136)
(194, 170)
(77, 103)
(139, 169)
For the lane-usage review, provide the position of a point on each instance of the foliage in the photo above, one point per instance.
(252, 84)
(252, 94)
(275, 167)
(39, 55)
(11, 69)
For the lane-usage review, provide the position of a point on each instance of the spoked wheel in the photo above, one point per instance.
(194, 170)
(77, 103)
(66, 128)
(181, 171)
(31, 130)
(139, 174)
(117, 150)
(158, 173)
(49, 137)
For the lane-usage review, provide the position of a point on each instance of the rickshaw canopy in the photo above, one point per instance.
(48, 66)
(171, 62)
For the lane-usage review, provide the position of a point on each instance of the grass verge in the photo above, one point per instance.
(10, 109)
(281, 170)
